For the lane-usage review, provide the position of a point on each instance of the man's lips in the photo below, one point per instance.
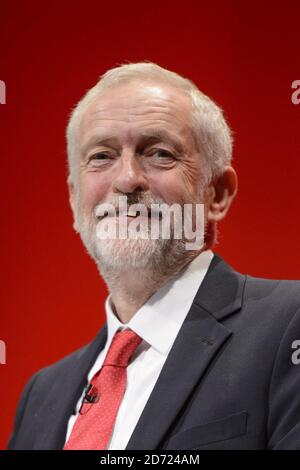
(123, 214)
(128, 215)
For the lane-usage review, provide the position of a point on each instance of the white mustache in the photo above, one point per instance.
(121, 208)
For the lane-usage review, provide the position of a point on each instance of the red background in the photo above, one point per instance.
(245, 57)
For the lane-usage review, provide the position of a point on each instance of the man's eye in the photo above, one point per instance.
(161, 153)
(99, 156)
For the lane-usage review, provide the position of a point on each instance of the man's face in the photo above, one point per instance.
(135, 140)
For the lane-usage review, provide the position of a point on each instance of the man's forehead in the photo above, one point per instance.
(137, 109)
(137, 96)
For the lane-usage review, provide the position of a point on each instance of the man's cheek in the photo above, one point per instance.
(90, 197)
(168, 192)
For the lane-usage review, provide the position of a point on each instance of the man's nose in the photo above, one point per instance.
(130, 175)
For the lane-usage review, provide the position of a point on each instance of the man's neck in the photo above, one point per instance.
(131, 288)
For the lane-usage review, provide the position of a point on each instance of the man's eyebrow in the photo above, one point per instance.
(97, 140)
(145, 136)
(160, 135)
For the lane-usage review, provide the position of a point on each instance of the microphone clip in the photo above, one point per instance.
(90, 397)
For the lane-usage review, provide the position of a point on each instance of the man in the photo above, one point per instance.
(193, 355)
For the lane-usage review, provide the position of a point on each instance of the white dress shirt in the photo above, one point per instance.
(157, 322)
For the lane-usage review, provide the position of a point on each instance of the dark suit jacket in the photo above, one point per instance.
(228, 383)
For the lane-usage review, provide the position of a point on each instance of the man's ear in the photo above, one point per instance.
(72, 197)
(220, 194)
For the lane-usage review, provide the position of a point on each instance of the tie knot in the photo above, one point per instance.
(122, 347)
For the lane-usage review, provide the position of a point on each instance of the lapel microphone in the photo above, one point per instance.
(90, 397)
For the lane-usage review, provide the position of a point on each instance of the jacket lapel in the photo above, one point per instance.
(64, 394)
(198, 341)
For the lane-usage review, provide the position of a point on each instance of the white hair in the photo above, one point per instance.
(212, 133)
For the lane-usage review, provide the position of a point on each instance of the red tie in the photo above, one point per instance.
(94, 424)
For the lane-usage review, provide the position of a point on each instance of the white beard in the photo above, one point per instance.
(115, 255)
(121, 254)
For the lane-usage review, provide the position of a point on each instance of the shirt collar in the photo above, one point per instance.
(159, 320)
